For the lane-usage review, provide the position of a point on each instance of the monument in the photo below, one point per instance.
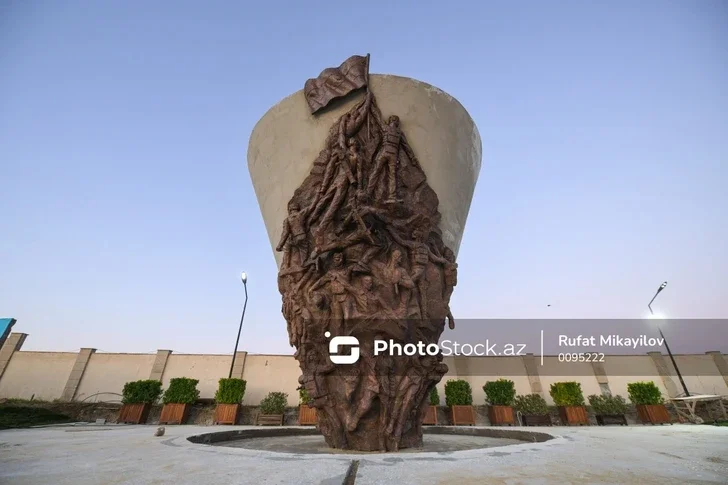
(363, 248)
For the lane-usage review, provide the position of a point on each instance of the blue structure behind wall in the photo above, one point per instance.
(6, 324)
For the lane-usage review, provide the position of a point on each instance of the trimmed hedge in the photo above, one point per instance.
(274, 403)
(434, 397)
(303, 396)
(567, 394)
(182, 390)
(608, 404)
(458, 393)
(230, 391)
(531, 405)
(644, 393)
(144, 391)
(500, 393)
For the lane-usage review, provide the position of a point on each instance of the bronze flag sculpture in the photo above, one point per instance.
(335, 82)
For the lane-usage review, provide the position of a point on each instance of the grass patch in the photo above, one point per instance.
(22, 402)
(720, 423)
(25, 417)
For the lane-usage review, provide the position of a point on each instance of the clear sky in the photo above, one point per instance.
(127, 210)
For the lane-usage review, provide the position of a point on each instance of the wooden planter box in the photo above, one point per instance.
(134, 413)
(604, 419)
(226, 414)
(653, 414)
(306, 415)
(430, 415)
(269, 420)
(573, 415)
(500, 415)
(462, 415)
(536, 419)
(174, 413)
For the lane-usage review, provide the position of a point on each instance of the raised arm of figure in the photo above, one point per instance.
(400, 240)
(435, 258)
(355, 123)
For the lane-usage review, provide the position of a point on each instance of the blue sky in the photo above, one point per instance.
(128, 212)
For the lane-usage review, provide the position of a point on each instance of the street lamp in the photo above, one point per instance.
(667, 347)
(244, 278)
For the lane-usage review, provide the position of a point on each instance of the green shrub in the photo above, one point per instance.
(303, 396)
(500, 393)
(274, 403)
(25, 417)
(531, 404)
(434, 397)
(458, 393)
(644, 393)
(182, 390)
(230, 391)
(567, 394)
(608, 404)
(138, 392)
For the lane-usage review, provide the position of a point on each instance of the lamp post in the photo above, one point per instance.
(667, 347)
(244, 278)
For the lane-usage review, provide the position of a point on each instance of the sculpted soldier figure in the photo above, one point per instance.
(348, 126)
(450, 273)
(369, 387)
(335, 195)
(420, 259)
(372, 303)
(388, 156)
(338, 277)
(451, 281)
(294, 235)
(313, 377)
(299, 320)
(409, 386)
(355, 166)
(316, 367)
(333, 157)
(352, 123)
(384, 368)
(356, 162)
(385, 216)
(393, 273)
(396, 275)
(421, 256)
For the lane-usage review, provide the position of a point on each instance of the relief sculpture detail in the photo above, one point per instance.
(363, 256)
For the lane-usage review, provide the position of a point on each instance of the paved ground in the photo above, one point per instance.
(132, 455)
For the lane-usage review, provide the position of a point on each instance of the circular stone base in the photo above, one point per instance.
(437, 439)
(317, 445)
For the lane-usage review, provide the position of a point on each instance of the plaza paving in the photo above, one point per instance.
(132, 455)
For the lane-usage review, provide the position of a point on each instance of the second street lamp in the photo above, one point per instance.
(667, 347)
(244, 278)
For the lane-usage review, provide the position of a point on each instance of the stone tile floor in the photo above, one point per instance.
(132, 455)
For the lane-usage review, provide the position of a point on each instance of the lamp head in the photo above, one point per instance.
(662, 286)
(244, 277)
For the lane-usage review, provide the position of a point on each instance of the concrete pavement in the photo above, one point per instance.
(115, 454)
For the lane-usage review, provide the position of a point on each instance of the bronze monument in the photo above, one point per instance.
(364, 257)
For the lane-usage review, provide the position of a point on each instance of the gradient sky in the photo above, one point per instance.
(128, 212)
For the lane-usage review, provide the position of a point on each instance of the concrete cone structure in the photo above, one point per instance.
(287, 139)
